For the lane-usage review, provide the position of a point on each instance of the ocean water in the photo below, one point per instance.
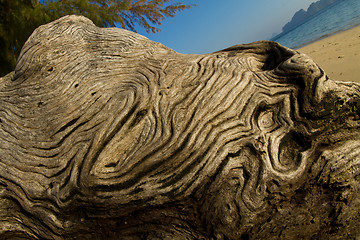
(341, 16)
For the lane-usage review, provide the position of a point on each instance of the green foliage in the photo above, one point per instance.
(19, 18)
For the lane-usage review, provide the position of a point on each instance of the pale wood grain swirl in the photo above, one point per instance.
(106, 134)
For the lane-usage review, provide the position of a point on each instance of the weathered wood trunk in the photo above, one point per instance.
(105, 134)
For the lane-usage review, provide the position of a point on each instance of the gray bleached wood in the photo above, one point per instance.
(105, 134)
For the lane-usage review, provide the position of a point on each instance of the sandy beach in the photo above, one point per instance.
(338, 55)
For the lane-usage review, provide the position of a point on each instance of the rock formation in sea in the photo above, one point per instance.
(302, 16)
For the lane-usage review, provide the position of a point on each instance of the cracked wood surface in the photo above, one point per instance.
(106, 134)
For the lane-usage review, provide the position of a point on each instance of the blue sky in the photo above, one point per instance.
(214, 25)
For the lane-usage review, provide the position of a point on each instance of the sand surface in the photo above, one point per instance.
(338, 55)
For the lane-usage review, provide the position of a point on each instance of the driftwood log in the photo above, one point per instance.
(105, 134)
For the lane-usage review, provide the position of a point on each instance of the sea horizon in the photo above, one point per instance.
(336, 18)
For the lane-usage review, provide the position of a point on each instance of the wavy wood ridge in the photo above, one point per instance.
(106, 134)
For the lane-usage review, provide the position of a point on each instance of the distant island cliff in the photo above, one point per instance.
(302, 16)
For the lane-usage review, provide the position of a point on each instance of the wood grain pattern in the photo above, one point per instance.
(106, 134)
